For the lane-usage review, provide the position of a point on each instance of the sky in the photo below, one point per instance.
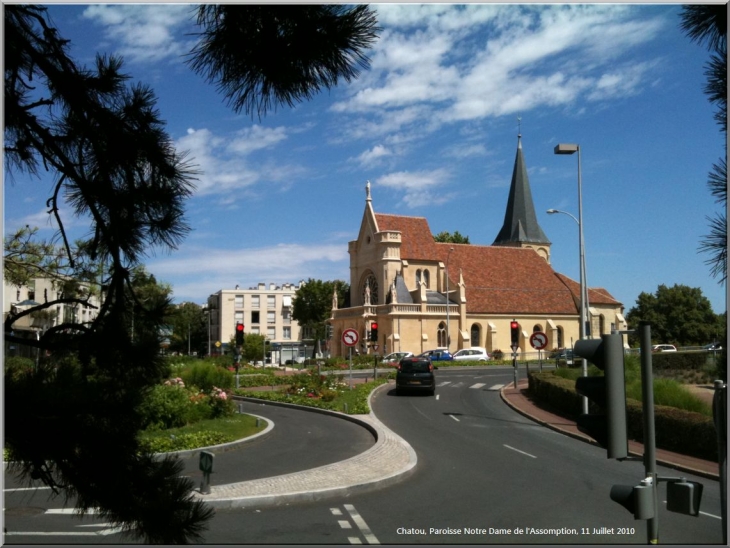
(433, 126)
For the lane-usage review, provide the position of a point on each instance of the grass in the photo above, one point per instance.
(202, 433)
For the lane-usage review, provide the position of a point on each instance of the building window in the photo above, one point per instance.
(287, 333)
(475, 334)
(270, 316)
(286, 316)
(271, 301)
(255, 301)
(427, 278)
(536, 328)
(561, 344)
(441, 335)
(238, 317)
(271, 332)
(371, 285)
(239, 302)
(255, 317)
(418, 277)
(255, 330)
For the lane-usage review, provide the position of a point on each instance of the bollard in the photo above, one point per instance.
(258, 422)
(345, 407)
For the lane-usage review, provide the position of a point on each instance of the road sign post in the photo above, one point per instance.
(350, 337)
(539, 340)
(206, 466)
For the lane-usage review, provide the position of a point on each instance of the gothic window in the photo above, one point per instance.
(536, 328)
(475, 335)
(372, 283)
(561, 344)
(418, 277)
(441, 335)
(426, 279)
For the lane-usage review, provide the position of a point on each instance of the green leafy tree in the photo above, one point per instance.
(680, 315)
(313, 304)
(448, 237)
(707, 24)
(189, 328)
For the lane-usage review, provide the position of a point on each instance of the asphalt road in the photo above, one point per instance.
(485, 475)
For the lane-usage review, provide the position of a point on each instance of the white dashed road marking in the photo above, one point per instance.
(513, 449)
(357, 518)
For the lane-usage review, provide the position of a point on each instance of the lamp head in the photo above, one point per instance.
(564, 148)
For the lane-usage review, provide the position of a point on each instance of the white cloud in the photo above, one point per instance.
(373, 156)
(223, 268)
(419, 186)
(224, 164)
(145, 33)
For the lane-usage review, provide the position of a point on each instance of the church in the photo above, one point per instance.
(423, 294)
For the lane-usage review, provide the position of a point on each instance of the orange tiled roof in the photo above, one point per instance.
(417, 240)
(499, 280)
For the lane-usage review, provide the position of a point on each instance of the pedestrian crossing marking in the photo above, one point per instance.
(477, 385)
(496, 387)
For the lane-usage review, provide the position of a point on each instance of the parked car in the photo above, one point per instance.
(437, 355)
(394, 357)
(712, 346)
(475, 353)
(563, 355)
(415, 374)
(663, 348)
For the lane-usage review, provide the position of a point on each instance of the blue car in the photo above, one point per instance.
(438, 355)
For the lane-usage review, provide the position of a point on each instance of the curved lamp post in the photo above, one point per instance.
(564, 148)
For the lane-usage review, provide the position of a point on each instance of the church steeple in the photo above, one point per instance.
(520, 228)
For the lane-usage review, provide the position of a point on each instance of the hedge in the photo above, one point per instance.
(684, 432)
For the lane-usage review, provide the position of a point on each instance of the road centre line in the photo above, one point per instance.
(453, 417)
(357, 518)
(513, 449)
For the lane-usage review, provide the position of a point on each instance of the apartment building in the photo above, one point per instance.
(39, 291)
(264, 310)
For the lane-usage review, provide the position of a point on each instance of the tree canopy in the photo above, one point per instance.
(679, 315)
(707, 25)
(448, 237)
(313, 303)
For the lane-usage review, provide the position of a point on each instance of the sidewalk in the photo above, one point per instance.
(521, 402)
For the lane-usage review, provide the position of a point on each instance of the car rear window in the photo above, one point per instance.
(421, 365)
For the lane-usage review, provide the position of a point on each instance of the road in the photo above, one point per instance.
(485, 475)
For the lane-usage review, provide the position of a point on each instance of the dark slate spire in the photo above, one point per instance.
(520, 223)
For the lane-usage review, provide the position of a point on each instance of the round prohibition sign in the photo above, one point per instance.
(538, 340)
(350, 337)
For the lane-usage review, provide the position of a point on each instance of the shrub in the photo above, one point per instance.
(206, 375)
(183, 441)
(166, 406)
(16, 366)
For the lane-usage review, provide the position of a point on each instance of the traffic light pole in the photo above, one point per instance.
(647, 397)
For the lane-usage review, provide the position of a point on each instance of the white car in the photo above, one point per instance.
(663, 348)
(475, 353)
(396, 356)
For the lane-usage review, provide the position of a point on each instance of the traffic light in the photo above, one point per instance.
(608, 392)
(514, 329)
(239, 334)
(374, 332)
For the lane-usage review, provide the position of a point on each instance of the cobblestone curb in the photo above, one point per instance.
(390, 460)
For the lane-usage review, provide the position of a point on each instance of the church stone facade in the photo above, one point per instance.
(400, 278)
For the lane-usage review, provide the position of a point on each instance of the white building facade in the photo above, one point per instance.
(264, 310)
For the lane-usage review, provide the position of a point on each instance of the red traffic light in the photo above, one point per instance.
(239, 327)
(514, 325)
(373, 325)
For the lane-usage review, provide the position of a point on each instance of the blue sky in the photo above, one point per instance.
(433, 126)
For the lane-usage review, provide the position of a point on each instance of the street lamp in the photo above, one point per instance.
(448, 302)
(564, 148)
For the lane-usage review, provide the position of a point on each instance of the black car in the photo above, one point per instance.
(415, 374)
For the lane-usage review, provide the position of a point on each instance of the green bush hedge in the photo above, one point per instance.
(206, 375)
(681, 431)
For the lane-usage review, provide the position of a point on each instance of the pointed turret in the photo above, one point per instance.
(520, 228)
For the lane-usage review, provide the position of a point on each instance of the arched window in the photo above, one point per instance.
(370, 284)
(426, 279)
(601, 324)
(561, 344)
(441, 335)
(418, 277)
(536, 328)
(475, 335)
